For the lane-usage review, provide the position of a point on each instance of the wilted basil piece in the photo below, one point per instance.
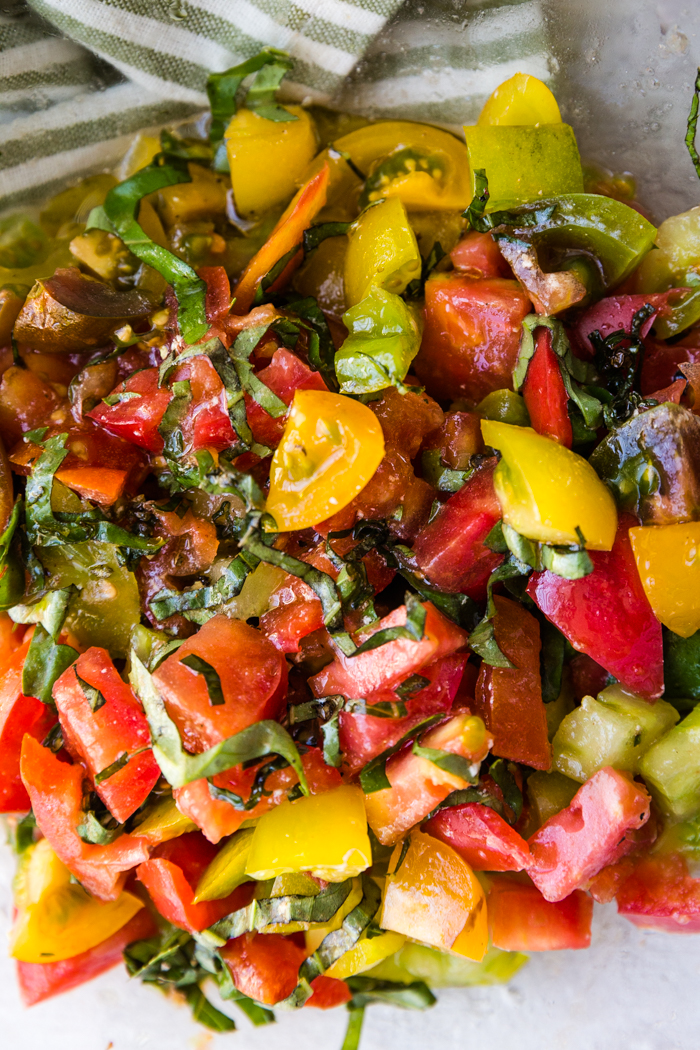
(44, 664)
(91, 693)
(210, 676)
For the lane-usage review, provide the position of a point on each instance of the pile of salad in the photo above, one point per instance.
(350, 556)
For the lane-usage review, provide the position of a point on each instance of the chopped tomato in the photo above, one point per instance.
(39, 981)
(100, 737)
(573, 845)
(451, 550)
(521, 920)
(171, 878)
(217, 818)
(660, 894)
(26, 402)
(56, 793)
(362, 737)
(287, 624)
(253, 676)
(478, 255)
(471, 336)
(673, 392)
(328, 992)
(544, 392)
(264, 966)
(284, 375)
(458, 439)
(510, 699)
(136, 419)
(218, 301)
(206, 424)
(481, 837)
(607, 615)
(390, 664)
(19, 715)
(661, 361)
(616, 313)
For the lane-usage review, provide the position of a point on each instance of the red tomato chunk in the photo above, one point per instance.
(264, 966)
(481, 837)
(521, 920)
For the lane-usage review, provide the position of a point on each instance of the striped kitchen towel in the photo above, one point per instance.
(79, 77)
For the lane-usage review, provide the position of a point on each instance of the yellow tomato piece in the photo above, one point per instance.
(522, 99)
(668, 562)
(383, 251)
(140, 153)
(435, 897)
(325, 834)
(546, 491)
(58, 919)
(267, 157)
(330, 449)
(365, 954)
(164, 822)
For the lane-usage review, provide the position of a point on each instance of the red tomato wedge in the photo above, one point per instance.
(660, 894)
(253, 676)
(573, 845)
(136, 418)
(264, 966)
(544, 392)
(328, 992)
(286, 235)
(385, 667)
(56, 792)
(481, 837)
(521, 920)
(450, 550)
(607, 615)
(19, 715)
(510, 699)
(218, 300)
(478, 255)
(39, 981)
(284, 375)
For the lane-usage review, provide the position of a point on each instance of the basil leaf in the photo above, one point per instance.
(92, 831)
(482, 639)
(118, 764)
(170, 426)
(45, 663)
(473, 794)
(257, 1015)
(22, 836)
(495, 540)
(163, 653)
(353, 1032)
(416, 288)
(321, 346)
(92, 694)
(117, 399)
(38, 513)
(207, 1014)
(512, 795)
(257, 790)
(321, 583)
(342, 940)
(413, 684)
(166, 602)
(210, 676)
(474, 214)
(405, 846)
(568, 562)
(414, 628)
(321, 231)
(120, 209)
(179, 767)
(269, 911)
(240, 352)
(49, 611)
(414, 996)
(54, 739)
(373, 776)
(456, 765)
(12, 578)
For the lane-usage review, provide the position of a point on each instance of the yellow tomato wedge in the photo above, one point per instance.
(668, 562)
(382, 251)
(522, 99)
(436, 898)
(546, 491)
(365, 954)
(58, 919)
(325, 834)
(330, 449)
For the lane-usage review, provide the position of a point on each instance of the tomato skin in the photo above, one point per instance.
(328, 992)
(661, 362)
(218, 819)
(615, 313)
(19, 715)
(284, 375)
(450, 550)
(521, 920)
(471, 336)
(253, 678)
(56, 792)
(26, 401)
(136, 419)
(264, 966)
(661, 895)
(206, 423)
(573, 845)
(362, 737)
(218, 300)
(385, 667)
(607, 615)
(481, 837)
(544, 392)
(478, 255)
(171, 879)
(286, 625)
(40, 981)
(510, 699)
(98, 738)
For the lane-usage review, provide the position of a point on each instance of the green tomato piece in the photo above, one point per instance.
(671, 768)
(682, 669)
(615, 729)
(444, 970)
(549, 793)
(524, 162)
(384, 338)
(227, 870)
(677, 251)
(382, 251)
(106, 608)
(504, 406)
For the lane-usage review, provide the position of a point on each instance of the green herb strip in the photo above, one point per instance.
(91, 693)
(44, 664)
(209, 674)
(319, 908)
(373, 776)
(455, 765)
(692, 127)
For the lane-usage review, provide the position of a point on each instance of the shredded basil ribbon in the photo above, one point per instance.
(692, 127)
(373, 776)
(342, 940)
(270, 911)
(118, 216)
(209, 674)
(91, 693)
(179, 767)
(271, 66)
(448, 762)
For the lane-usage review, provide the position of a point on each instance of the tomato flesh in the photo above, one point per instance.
(19, 715)
(522, 920)
(544, 392)
(481, 837)
(264, 967)
(660, 894)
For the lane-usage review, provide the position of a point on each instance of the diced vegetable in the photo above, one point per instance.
(521, 920)
(288, 147)
(522, 99)
(19, 715)
(382, 252)
(615, 729)
(368, 952)
(671, 768)
(384, 336)
(481, 837)
(264, 967)
(526, 162)
(668, 562)
(661, 895)
(549, 793)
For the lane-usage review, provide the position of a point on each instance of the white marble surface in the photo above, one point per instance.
(631, 989)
